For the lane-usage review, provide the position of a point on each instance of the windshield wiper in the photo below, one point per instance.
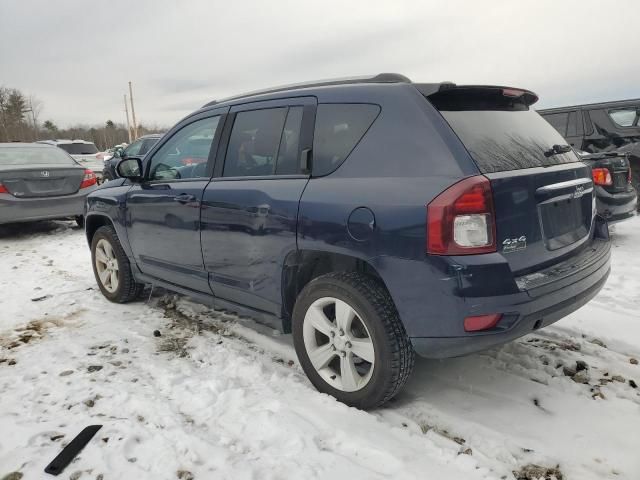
(556, 149)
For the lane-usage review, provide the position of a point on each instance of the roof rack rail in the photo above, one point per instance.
(379, 78)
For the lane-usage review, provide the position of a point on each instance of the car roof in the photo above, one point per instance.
(331, 90)
(311, 88)
(25, 144)
(592, 106)
(64, 141)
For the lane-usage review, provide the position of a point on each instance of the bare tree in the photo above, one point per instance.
(35, 107)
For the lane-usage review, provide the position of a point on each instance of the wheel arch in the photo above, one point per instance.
(93, 222)
(302, 266)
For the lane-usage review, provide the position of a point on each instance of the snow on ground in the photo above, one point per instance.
(215, 396)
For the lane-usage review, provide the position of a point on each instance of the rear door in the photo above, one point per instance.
(163, 212)
(543, 194)
(249, 210)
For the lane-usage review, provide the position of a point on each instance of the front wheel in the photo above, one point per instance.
(350, 340)
(111, 267)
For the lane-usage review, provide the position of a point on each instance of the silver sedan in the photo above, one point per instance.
(40, 182)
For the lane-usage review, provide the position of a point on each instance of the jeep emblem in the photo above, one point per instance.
(44, 173)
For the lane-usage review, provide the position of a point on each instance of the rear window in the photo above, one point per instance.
(501, 133)
(625, 117)
(78, 148)
(339, 128)
(34, 156)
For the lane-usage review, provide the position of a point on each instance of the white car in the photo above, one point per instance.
(83, 152)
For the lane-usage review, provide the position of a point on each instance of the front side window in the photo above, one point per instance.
(339, 128)
(186, 153)
(625, 117)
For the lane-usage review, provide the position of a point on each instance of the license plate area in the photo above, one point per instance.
(566, 220)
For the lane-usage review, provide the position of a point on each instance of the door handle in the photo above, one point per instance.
(184, 198)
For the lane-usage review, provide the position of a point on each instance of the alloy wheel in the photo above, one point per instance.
(338, 344)
(107, 265)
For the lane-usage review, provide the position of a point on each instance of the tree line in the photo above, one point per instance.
(20, 122)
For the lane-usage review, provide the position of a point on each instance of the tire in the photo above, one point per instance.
(375, 332)
(635, 175)
(118, 285)
(80, 220)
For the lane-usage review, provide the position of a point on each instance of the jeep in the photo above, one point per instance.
(373, 218)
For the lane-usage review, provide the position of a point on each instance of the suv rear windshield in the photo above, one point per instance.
(500, 132)
(34, 156)
(78, 148)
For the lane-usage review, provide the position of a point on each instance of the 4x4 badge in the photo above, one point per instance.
(514, 244)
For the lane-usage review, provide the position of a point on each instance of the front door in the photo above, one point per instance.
(163, 212)
(250, 209)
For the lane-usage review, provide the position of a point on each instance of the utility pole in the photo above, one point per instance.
(133, 113)
(126, 109)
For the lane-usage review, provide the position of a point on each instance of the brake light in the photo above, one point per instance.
(88, 179)
(512, 92)
(602, 176)
(629, 176)
(3, 189)
(461, 220)
(481, 322)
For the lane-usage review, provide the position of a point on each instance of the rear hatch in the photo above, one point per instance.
(543, 195)
(28, 172)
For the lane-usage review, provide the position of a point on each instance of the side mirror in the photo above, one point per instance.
(117, 154)
(130, 168)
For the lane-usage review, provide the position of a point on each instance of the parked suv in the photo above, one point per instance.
(138, 149)
(370, 217)
(602, 127)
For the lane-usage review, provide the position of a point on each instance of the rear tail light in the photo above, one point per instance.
(88, 179)
(3, 189)
(481, 322)
(629, 176)
(602, 176)
(461, 220)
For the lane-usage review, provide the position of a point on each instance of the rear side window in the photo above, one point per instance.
(500, 132)
(254, 141)
(339, 128)
(625, 117)
(558, 121)
(79, 148)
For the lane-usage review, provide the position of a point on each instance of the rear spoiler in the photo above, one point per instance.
(525, 96)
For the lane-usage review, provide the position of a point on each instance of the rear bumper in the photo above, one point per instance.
(616, 206)
(525, 318)
(434, 297)
(14, 209)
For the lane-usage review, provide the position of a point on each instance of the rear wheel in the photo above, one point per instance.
(350, 340)
(111, 267)
(635, 174)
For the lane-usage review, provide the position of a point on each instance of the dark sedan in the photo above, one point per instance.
(41, 182)
(616, 199)
(137, 149)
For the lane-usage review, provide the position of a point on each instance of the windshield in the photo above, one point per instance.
(78, 148)
(34, 156)
(502, 134)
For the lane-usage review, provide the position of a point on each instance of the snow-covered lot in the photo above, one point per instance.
(214, 396)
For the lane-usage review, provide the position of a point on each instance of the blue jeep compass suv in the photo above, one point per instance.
(372, 218)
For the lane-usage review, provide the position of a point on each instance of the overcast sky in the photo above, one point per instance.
(77, 56)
